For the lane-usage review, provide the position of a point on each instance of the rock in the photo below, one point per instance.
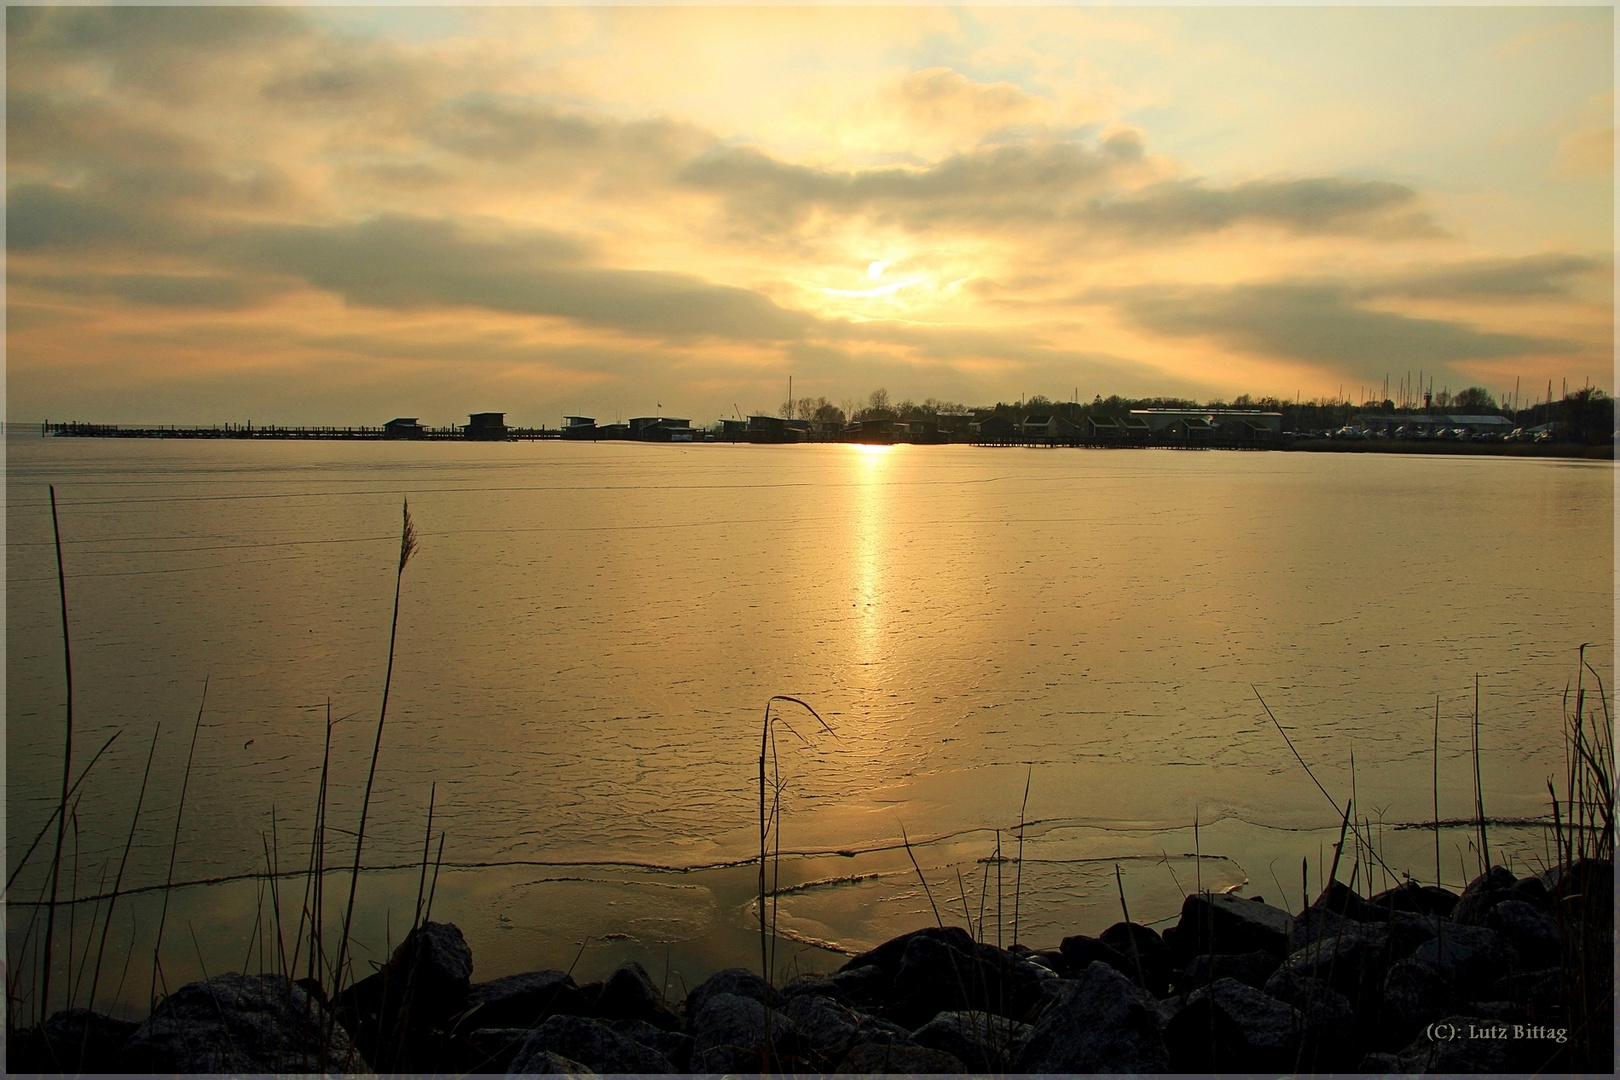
(436, 966)
(1591, 879)
(485, 1050)
(1468, 956)
(522, 1001)
(1231, 1027)
(1081, 951)
(826, 1029)
(1531, 930)
(1477, 1045)
(1149, 947)
(1409, 929)
(1532, 891)
(871, 1029)
(1410, 896)
(547, 1063)
(729, 1035)
(898, 1058)
(1415, 995)
(1251, 969)
(1354, 962)
(1482, 894)
(629, 994)
(936, 976)
(887, 955)
(739, 981)
(866, 987)
(240, 1024)
(981, 1041)
(1315, 923)
(674, 1045)
(1222, 923)
(1538, 994)
(1341, 899)
(1332, 1041)
(73, 1041)
(1100, 1022)
(591, 1043)
(1379, 1064)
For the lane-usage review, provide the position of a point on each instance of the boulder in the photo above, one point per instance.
(72, 1041)
(1231, 1027)
(1469, 956)
(436, 966)
(1410, 896)
(1531, 930)
(1415, 995)
(1352, 961)
(1473, 1044)
(981, 1041)
(591, 1043)
(1251, 969)
(240, 1024)
(935, 976)
(547, 1063)
(1332, 1040)
(1080, 951)
(522, 1001)
(731, 1033)
(1482, 894)
(876, 1057)
(1532, 891)
(484, 1050)
(739, 981)
(629, 994)
(826, 1028)
(1100, 1022)
(396, 1015)
(674, 1045)
(1134, 942)
(887, 956)
(1341, 899)
(1222, 923)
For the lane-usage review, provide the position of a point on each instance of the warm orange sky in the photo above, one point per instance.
(344, 215)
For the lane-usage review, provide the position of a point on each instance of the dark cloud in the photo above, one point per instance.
(404, 263)
(1491, 279)
(1316, 323)
(1027, 181)
(1053, 181)
(1312, 205)
(212, 291)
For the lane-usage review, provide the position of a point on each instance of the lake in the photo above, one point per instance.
(589, 634)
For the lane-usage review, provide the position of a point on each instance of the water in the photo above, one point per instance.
(589, 634)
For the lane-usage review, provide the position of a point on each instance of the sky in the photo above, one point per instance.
(342, 215)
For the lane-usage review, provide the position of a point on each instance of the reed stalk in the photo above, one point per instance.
(174, 849)
(46, 828)
(1018, 886)
(407, 548)
(67, 761)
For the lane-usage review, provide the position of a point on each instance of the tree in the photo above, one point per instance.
(878, 401)
(1474, 398)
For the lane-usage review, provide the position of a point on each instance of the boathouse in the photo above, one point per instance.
(486, 427)
(403, 427)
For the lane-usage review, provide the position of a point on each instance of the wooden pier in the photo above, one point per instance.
(73, 429)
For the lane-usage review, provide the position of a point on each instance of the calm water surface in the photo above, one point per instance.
(589, 634)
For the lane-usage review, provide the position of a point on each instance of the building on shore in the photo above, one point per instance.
(579, 427)
(486, 427)
(404, 427)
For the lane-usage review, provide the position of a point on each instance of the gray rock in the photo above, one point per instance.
(826, 1028)
(1341, 899)
(1353, 961)
(629, 994)
(1532, 891)
(486, 1050)
(1476, 1048)
(1222, 923)
(872, 1029)
(1100, 1022)
(887, 955)
(434, 966)
(1531, 930)
(981, 1041)
(1134, 942)
(591, 1043)
(1251, 969)
(1231, 1027)
(675, 1045)
(935, 976)
(523, 1001)
(878, 1058)
(1415, 995)
(548, 1063)
(240, 1024)
(1468, 956)
(1538, 993)
(78, 1040)
(739, 981)
(1421, 899)
(1482, 894)
(729, 1034)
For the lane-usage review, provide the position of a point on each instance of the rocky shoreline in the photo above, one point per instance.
(1415, 979)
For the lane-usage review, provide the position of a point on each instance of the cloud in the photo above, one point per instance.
(1310, 205)
(213, 291)
(1042, 181)
(406, 263)
(1316, 323)
(943, 98)
(1494, 279)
